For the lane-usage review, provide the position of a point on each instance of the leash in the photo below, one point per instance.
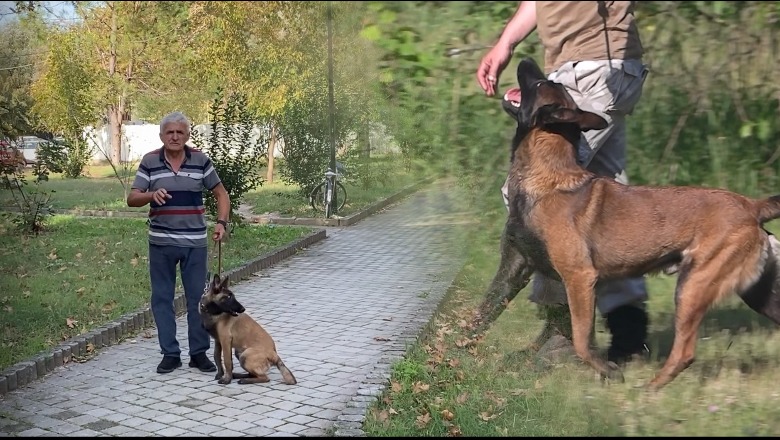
(219, 258)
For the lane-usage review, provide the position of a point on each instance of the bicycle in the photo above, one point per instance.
(321, 197)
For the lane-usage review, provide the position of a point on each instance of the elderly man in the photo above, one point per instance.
(171, 180)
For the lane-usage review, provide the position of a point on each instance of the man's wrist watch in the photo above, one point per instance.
(223, 223)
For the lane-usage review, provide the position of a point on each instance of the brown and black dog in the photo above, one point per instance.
(571, 225)
(232, 329)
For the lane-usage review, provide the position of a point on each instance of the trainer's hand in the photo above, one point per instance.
(160, 196)
(491, 66)
(219, 232)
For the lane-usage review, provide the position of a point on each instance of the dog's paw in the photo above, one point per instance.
(225, 380)
(218, 376)
(613, 372)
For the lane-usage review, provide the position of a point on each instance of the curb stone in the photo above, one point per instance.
(128, 325)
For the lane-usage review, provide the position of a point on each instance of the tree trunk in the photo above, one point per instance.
(363, 140)
(115, 128)
(269, 175)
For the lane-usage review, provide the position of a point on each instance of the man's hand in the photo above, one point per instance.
(219, 232)
(160, 196)
(491, 66)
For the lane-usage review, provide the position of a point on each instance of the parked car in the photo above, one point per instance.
(11, 158)
(29, 147)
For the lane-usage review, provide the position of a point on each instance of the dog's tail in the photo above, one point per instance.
(287, 375)
(768, 209)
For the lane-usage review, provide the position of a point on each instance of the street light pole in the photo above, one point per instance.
(331, 105)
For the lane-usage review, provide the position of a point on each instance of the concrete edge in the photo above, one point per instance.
(130, 324)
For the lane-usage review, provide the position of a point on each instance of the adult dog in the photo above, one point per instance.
(571, 225)
(232, 329)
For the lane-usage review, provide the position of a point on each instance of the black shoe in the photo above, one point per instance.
(202, 362)
(628, 326)
(168, 364)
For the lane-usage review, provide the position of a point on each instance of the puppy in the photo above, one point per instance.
(224, 318)
(574, 226)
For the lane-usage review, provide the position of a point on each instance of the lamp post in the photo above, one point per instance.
(331, 105)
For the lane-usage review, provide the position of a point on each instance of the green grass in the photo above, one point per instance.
(90, 271)
(451, 385)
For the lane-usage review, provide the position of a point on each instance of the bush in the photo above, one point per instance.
(234, 151)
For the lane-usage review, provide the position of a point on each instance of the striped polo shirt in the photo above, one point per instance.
(181, 221)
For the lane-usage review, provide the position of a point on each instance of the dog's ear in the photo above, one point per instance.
(214, 281)
(224, 283)
(553, 114)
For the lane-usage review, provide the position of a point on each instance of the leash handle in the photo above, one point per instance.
(219, 257)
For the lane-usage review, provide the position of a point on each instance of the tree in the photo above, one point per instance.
(17, 66)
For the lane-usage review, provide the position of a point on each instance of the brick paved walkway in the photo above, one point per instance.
(341, 312)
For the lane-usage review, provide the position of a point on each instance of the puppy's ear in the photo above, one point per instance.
(553, 114)
(224, 283)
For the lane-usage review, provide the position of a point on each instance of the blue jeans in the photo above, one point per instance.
(193, 264)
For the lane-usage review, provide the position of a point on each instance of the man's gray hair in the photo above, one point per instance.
(175, 117)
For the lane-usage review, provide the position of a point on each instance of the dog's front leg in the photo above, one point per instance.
(581, 295)
(512, 276)
(218, 359)
(227, 375)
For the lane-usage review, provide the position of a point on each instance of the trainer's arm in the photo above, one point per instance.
(519, 26)
(223, 202)
(138, 198)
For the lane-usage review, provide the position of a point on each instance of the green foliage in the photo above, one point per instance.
(32, 203)
(233, 148)
(16, 74)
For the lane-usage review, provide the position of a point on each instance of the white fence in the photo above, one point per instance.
(141, 138)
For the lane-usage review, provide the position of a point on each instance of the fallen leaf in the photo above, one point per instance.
(423, 420)
(461, 399)
(486, 416)
(80, 290)
(70, 322)
(454, 363)
(392, 411)
(8, 308)
(134, 262)
(454, 431)
(26, 293)
(52, 255)
(383, 416)
(396, 387)
(78, 256)
(90, 347)
(419, 387)
(447, 415)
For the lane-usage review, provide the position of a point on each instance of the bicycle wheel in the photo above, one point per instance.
(317, 198)
(341, 196)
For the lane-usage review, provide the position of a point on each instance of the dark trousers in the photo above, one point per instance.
(193, 264)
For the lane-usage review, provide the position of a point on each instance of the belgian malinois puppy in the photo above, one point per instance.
(571, 225)
(232, 329)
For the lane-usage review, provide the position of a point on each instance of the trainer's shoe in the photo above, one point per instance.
(628, 326)
(168, 364)
(202, 362)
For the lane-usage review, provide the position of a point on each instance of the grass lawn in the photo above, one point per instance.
(102, 190)
(447, 387)
(84, 272)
